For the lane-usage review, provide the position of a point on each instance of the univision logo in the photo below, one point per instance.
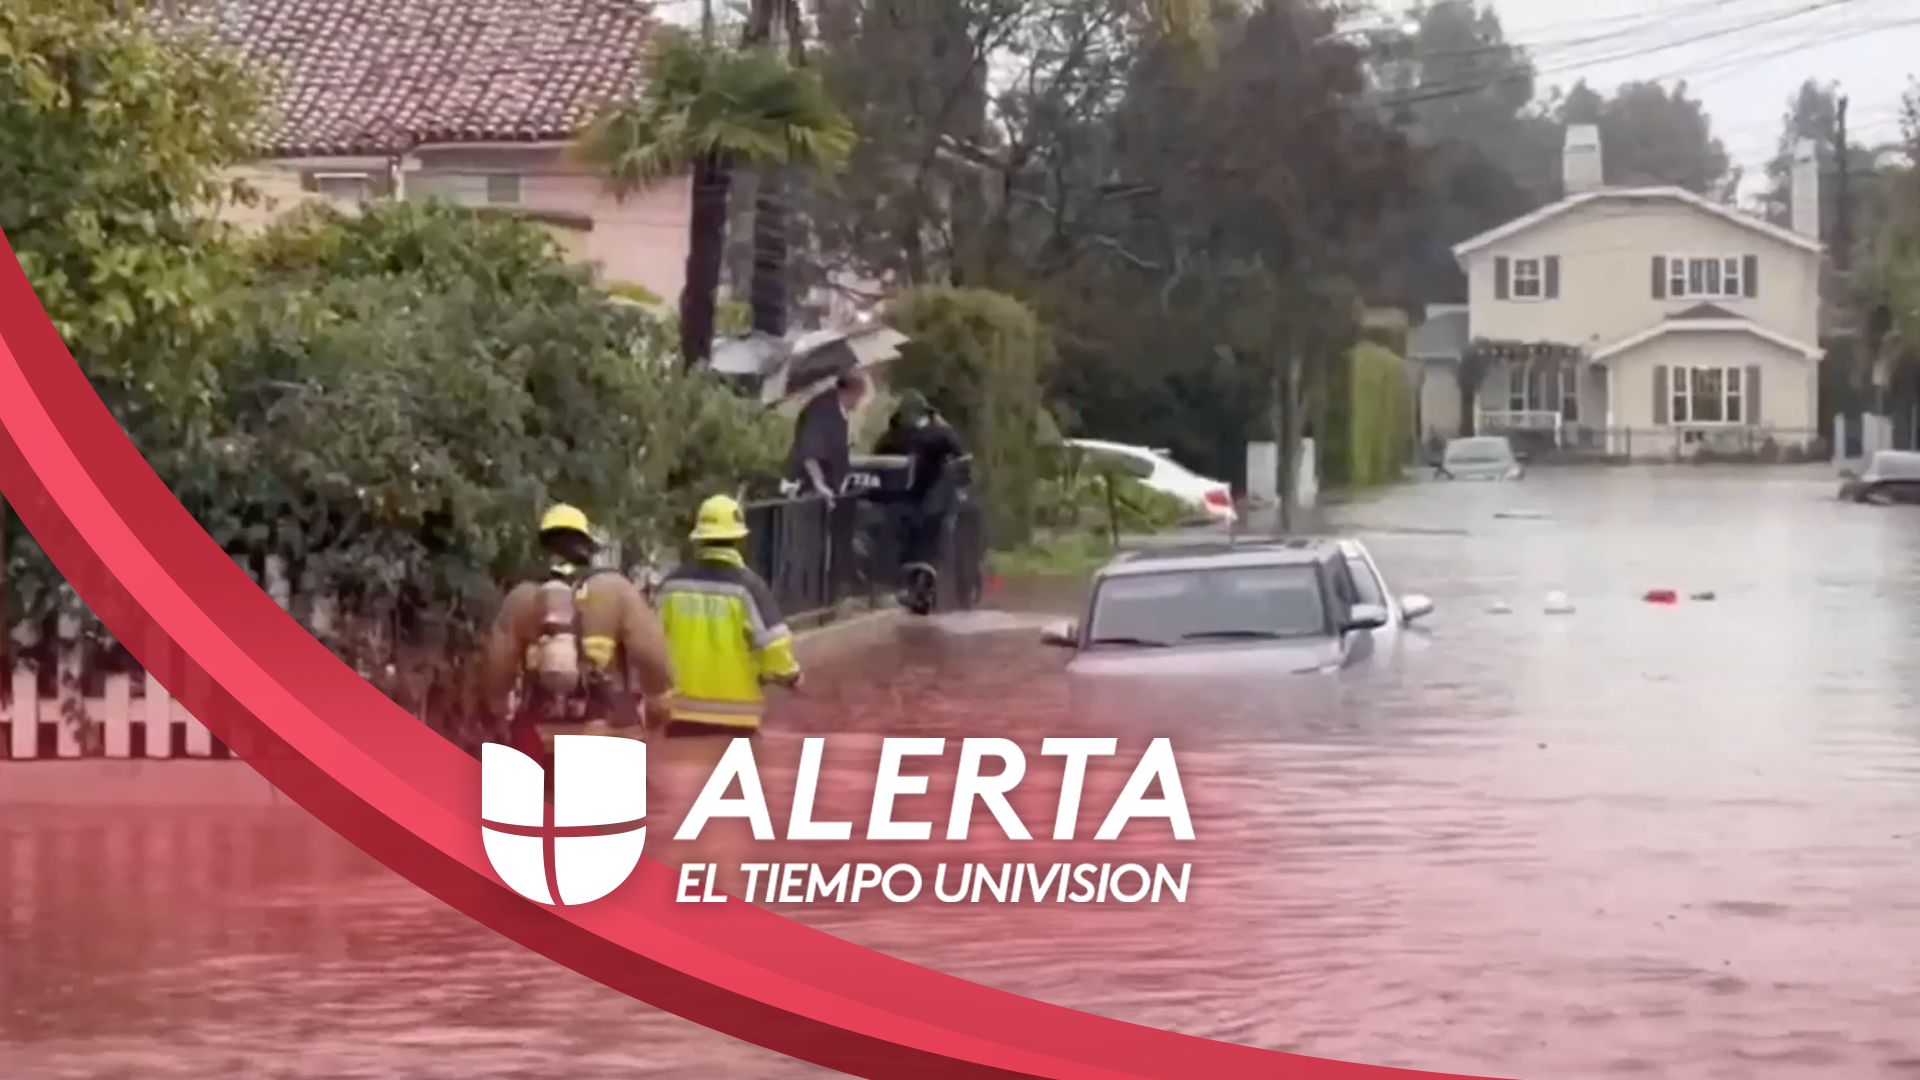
(594, 839)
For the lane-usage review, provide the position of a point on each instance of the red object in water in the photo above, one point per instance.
(1661, 596)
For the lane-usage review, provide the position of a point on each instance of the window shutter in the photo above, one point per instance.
(1659, 277)
(1750, 395)
(1660, 395)
(1502, 278)
(1553, 277)
(1750, 275)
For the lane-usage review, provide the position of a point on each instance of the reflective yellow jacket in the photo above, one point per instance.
(726, 638)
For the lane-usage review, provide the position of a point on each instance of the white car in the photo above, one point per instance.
(1402, 609)
(1211, 499)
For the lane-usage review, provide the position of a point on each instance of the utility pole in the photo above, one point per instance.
(1843, 214)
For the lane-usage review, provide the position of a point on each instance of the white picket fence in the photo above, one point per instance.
(148, 725)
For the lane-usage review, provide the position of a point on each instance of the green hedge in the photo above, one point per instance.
(1380, 416)
(980, 357)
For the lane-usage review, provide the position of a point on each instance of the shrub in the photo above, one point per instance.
(980, 358)
(402, 392)
(1381, 417)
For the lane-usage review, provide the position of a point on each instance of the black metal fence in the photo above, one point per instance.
(818, 557)
(1703, 443)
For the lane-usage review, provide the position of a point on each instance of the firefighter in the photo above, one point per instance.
(723, 630)
(578, 647)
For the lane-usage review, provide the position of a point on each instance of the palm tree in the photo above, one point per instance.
(706, 110)
(767, 293)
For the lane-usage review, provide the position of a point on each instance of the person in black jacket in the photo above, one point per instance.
(920, 434)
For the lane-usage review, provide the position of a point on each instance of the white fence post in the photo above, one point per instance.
(158, 715)
(116, 710)
(66, 696)
(1307, 485)
(26, 713)
(1263, 473)
(199, 739)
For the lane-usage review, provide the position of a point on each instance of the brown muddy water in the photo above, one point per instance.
(1634, 840)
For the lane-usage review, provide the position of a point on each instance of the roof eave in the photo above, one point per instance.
(1709, 326)
(1466, 248)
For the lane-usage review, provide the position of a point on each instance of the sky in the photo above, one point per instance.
(1744, 59)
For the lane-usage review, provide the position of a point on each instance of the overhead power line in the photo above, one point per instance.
(1523, 74)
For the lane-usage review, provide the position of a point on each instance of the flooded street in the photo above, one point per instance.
(1632, 840)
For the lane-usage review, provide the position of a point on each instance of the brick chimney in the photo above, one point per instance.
(1580, 165)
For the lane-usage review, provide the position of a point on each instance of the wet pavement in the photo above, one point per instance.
(1635, 840)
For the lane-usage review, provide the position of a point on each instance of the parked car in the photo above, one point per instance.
(1890, 476)
(1233, 610)
(1480, 457)
(1210, 499)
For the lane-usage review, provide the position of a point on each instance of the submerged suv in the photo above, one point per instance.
(1284, 606)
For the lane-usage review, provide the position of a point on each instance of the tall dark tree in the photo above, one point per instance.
(1488, 154)
(1652, 136)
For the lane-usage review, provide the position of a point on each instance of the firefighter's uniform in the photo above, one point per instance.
(723, 630)
(628, 676)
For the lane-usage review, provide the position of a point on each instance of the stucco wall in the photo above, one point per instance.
(1606, 252)
(641, 239)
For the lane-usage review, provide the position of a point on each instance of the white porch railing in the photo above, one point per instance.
(1495, 421)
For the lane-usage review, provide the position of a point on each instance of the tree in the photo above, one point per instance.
(706, 110)
(1582, 105)
(1651, 136)
(112, 145)
(767, 291)
(1465, 96)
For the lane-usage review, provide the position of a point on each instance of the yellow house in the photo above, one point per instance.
(1647, 322)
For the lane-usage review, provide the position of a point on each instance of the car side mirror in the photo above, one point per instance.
(1366, 617)
(1061, 635)
(1413, 606)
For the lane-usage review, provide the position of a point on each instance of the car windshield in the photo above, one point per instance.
(1478, 451)
(1176, 606)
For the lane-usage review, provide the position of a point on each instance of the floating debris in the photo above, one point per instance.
(1705, 594)
(1559, 604)
(1520, 515)
(1662, 596)
(1499, 608)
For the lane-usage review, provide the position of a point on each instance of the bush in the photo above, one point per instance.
(980, 358)
(402, 393)
(1381, 417)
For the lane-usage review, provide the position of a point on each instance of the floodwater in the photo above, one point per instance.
(1634, 840)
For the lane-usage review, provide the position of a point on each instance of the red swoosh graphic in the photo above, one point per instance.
(381, 779)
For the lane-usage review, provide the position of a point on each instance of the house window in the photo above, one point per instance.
(1711, 277)
(1529, 279)
(503, 187)
(1708, 395)
(346, 187)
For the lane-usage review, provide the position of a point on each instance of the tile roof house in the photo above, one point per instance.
(472, 101)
